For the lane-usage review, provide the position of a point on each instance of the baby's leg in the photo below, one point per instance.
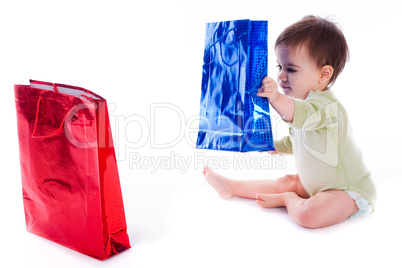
(228, 188)
(324, 209)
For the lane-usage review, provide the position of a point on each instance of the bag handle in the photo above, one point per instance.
(62, 122)
(55, 87)
(219, 40)
(40, 100)
(86, 97)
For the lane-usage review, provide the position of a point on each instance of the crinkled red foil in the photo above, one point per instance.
(70, 180)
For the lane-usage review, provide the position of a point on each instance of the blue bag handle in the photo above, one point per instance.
(219, 40)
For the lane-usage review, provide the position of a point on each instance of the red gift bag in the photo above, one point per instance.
(70, 181)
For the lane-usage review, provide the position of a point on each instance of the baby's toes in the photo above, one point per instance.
(260, 200)
(261, 203)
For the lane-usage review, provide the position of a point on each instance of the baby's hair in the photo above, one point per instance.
(324, 41)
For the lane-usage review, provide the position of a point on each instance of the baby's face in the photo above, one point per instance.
(298, 73)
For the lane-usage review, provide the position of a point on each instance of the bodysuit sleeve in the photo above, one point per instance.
(313, 113)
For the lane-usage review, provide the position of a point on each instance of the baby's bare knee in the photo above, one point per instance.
(308, 217)
(287, 183)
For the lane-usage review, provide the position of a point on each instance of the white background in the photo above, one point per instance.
(145, 58)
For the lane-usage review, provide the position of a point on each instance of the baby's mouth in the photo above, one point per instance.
(286, 89)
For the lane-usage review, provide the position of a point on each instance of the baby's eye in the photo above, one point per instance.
(279, 67)
(290, 70)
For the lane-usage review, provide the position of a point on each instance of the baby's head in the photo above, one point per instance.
(323, 40)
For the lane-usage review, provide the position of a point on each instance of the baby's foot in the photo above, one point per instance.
(219, 183)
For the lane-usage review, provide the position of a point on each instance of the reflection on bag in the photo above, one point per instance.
(70, 181)
(232, 116)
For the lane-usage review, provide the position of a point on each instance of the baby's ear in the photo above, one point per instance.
(326, 73)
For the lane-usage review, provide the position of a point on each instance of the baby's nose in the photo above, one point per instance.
(282, 76)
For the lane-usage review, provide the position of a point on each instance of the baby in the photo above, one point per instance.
(332, 183)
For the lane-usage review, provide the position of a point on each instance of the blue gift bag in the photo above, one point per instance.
(232, 116)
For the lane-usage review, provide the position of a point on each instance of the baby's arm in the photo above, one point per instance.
(284, 105)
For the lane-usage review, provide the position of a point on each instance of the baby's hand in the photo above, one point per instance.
(271, 152)
(269, 89)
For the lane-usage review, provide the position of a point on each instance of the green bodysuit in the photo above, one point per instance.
(327, 156)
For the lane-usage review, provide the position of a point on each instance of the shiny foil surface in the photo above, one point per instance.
(232, 116)
(70, 180)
